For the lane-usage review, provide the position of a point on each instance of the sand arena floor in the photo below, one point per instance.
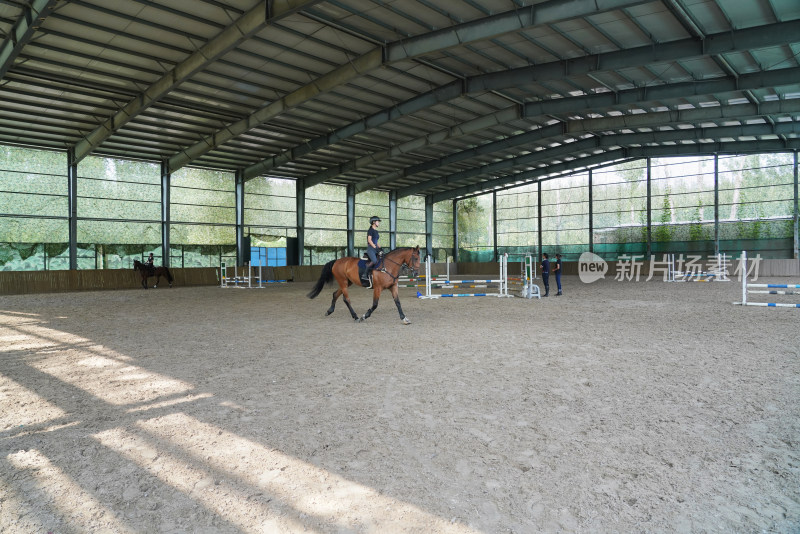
(619, 407)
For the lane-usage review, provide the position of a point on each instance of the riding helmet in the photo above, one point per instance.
(374, 218)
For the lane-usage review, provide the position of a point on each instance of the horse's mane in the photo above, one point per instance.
(400, 249)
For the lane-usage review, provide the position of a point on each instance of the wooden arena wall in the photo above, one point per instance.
(25, 282)
(22, 282)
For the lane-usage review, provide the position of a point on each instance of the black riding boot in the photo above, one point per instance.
(367, 270)
(546, 290)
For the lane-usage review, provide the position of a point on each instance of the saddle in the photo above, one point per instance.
(362, 266)
(149, 270)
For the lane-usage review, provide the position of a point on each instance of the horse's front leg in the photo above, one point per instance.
(144, 282)
(376, 295)
(158, 279)
(396, 298)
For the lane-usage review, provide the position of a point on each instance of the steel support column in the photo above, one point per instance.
(796, 213)
(716, 204)
(392, 220)
(649, 250)
(455, 231)
(300, 211)
(72, 206)
(165, 217)
(539, 218)
(240, 244)
(429, 224)
(591, 215)
(351, 220)
(494, 226)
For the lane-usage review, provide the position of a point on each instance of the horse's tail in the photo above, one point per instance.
(169, 275)
(324, 278)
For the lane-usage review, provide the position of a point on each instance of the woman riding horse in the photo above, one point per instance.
(345, 272)
(146, 271)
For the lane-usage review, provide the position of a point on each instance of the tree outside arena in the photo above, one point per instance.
(119, 212)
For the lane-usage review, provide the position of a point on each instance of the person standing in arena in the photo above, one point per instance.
(546, 273)
(558, 274)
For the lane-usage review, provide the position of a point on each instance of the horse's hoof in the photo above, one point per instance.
(360, 319)
(327, 313)
(406, 321)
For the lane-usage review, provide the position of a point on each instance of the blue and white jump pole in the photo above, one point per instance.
(529, 290)
(746, 290)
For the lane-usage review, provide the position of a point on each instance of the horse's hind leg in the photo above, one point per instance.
(376, 295)
(333, 302)
(346, 300)
(343, 282)
(346, 297)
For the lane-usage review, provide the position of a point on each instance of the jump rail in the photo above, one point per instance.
(746, 290)
(244, 281)
(719, 272)
(524, 283)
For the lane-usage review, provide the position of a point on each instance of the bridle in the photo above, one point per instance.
(401, 265)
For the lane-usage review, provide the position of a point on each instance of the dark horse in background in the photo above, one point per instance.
(345, 272)
(145, 272)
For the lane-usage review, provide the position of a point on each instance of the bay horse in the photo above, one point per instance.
(345, 272)
(158, 272)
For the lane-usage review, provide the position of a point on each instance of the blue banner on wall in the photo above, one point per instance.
(268, 256)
